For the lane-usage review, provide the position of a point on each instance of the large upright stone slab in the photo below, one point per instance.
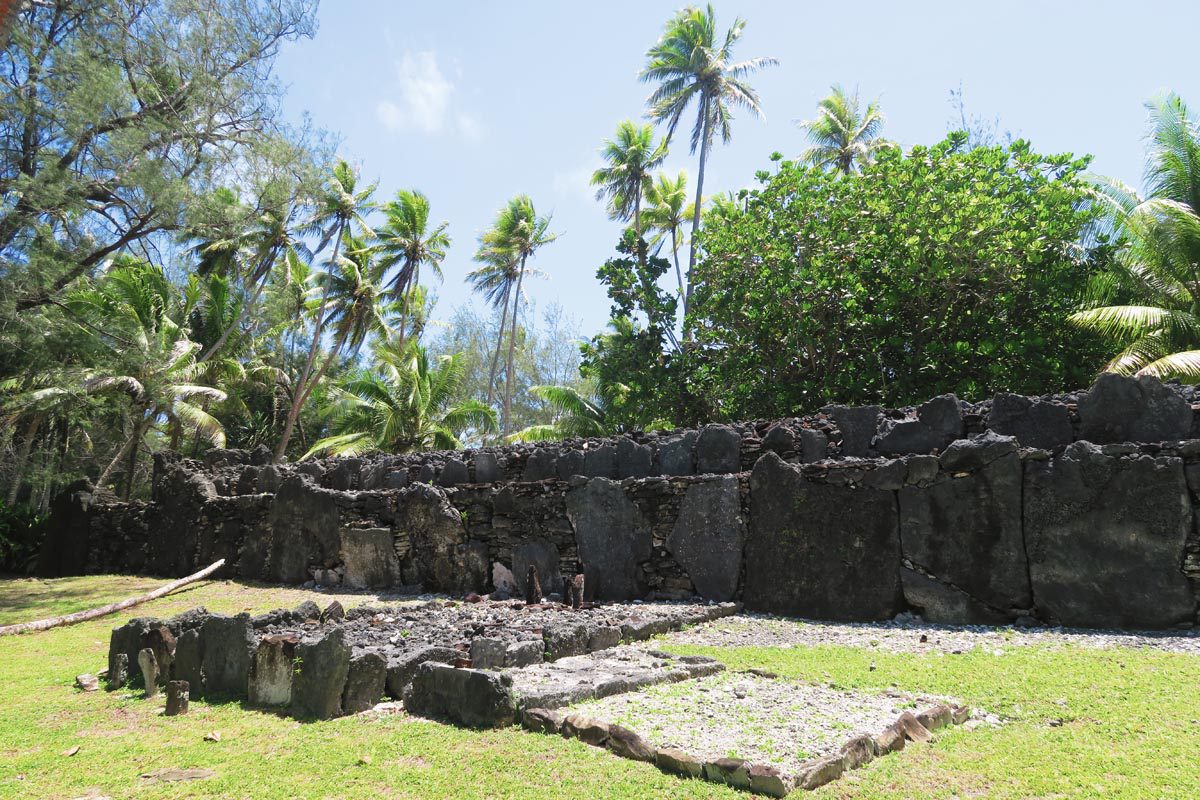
(676, 455)
(612, 537)
(938, 423)
(369, 558)
(541, 554)
(820, 551)
(472, 697)
(435, 528)
(965, 532)
(718, 450)
(304, 530)
(1105, 537)
(274, 669)
(318, 686)
(65, 545)
(708, 537)
(1034, 422)
(857, 426)
(1122, 409)
(227, 645)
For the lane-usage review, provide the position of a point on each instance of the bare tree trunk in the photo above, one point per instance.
(23, 457)
(496, 356)
(111, 608)
(675, 256)
(132, 467)
(139, 430)
(512, 349)
(704, 142)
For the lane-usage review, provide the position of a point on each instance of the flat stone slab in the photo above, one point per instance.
(603, 673)
(763, 721)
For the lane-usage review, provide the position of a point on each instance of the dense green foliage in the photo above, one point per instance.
(943, 270)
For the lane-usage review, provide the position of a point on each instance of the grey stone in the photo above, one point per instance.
(118, 674)
(454, 472)
(938, 423)
(487, 469)
(805, 556)
(369, 558)
(540, 553)
(542, 720)
(814, 445)
(1106, 539)
(977, 452)
(887, 474)
(602, 637)
(400, 670)
(524, 653)
(612, 537)
(628, 744)
(734, 772)
(270, 477)
(922, 469)
(270, 682)
(676, 456)
(945, 604)
(364, 682)
(475, 698)
(150, 673)
(1034, 422)
(126, 640)
(967, 532)
(319, 683)
(1122, 409)
(857, 426)
(562, 639)
(708, 536)
(435, 528)
(397, 479)
(821, 771)
(769, 781)
(488, 653)
(227, 645)
(570, 463)
(427, 473)
(633, 460)
(670, 759)
(189, 658)
(718, 450)
(541, 465)
(779, 440)
(344, 476)
(600, 462)
(304, 530)
(65, 543)
(372, 476)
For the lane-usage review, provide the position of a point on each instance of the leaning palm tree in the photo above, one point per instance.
(844, 136)
(1148, 301)
(631, 156)
(406, 241)
(341, 204)
(690, 62)
(515, 237)
(666, 210)
(495, 281)
(404, 404)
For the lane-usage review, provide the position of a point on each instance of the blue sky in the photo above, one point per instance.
(473, 102)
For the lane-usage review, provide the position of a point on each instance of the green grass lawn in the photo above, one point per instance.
(1079, 723)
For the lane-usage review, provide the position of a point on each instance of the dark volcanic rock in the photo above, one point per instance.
(708, 536)
(476, 698)
(633, 460)
(1034, 422)
(806, 556)
(943, 603)
(612, 536)
(718, 450)
(1105, 537)
(364, 682)
(65, 544)
(600, 462)
(189, 658)
(541, 465)
(939, 422)
(318, 685)
(966, 531)
(857, 426)
(541, 554)
(814, 445)
(369, 558)
(304, 526)
(400, 670)
(436, 531)
(274, 669)
(454, 472)
(1121, 409)
(227, 645)
(676, 456)
(570, 462)
(779, 440)
(487, 470)
(126, 640)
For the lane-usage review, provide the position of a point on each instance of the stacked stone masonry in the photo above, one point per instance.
(1076, 509)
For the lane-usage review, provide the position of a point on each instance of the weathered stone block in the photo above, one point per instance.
(612, 537)
(487, 469)
(369, 558)
(600, 462)
(857, 426)
(476, 698)
(270, 682)
(670, 759)
(400, 670)
(454, 472)
(676, 456)
(708, 536)
(570, 463)
(488, 653)
(718, 450)
(1122, 409)
(318, 685)
(540, 553)
(65, 544)
(227, 645)
(806, 556)
(1033, 422)
(365, 682)
(541, 465)
(939, 422)
(1106, 536)
(304, 530)
(633, 460)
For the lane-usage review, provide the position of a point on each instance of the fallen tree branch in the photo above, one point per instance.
(111, 608)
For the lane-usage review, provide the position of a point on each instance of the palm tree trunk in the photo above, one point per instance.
(300, 395)
(512, 349)
(139, 429)
(687, 295)
(496, 356)
(132, 467)
(675, 257)
(23, 458)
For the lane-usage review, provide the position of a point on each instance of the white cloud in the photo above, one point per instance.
(425, 102)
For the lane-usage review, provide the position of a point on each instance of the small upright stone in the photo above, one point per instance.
(118, 673)
(533, 587)
(333, 612)
(577, 592)
(177, 698)
(149, 667)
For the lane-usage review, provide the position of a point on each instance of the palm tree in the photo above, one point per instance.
(688, 62)
(495, 281)
(341, 204)
(1148, 301)
(667, 209)
(406, 241)
(404, 404)
(843, 135)
(578, 416)
(631, 156)
(516, 235)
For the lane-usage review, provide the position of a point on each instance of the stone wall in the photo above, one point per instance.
(1076, 509)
